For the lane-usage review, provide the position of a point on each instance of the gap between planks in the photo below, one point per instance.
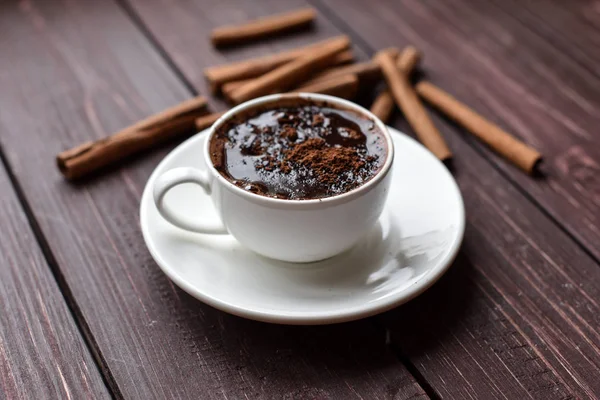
(78, 318)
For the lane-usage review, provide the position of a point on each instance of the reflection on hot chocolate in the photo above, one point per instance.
(298, 151)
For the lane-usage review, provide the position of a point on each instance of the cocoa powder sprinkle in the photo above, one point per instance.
(327, 162)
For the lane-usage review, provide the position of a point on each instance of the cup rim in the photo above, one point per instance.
(330, 200)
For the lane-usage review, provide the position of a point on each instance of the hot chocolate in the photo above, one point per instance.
(298, 151)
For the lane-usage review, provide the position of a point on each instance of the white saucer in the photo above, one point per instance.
(414, 243)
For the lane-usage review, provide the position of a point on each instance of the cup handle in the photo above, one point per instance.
(175, 177)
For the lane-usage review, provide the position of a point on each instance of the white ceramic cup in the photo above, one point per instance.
(288, 230)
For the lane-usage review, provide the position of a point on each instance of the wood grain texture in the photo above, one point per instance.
(42, 354)
(518, 315)
(75, 71)
(543, 89)
(581, 41)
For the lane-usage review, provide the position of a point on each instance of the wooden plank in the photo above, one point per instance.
(517, 78)
(517, 316)
(497, 338)
(42, 354)
(74, 71)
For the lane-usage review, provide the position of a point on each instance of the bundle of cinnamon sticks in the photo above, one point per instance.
(323, 67)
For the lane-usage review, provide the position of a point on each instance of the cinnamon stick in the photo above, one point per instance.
(262, 27)
(290, 74)
(170, 123)
(206, 121)
(227, 88)
(363, 70)
(502, 142)
(408, 101)
(383, 105)
(368, 70)
(408, 59)
(343, 86)
(220, 74)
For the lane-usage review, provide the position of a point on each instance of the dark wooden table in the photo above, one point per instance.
(86, 313)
